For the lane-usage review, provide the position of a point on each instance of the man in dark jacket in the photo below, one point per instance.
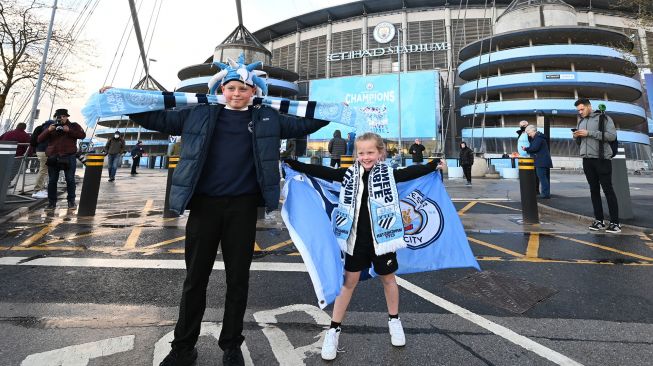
(114, 148)
(417, 150)
(62, 145)
(337, 148)
(539, 150)
(136, 153)
(466, 161)
(228, 164)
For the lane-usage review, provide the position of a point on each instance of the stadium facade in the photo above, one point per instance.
(497, 65)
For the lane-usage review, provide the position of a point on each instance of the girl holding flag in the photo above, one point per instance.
(368, 227)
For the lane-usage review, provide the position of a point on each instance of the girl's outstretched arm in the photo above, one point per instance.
(317, 171)
(415, 171)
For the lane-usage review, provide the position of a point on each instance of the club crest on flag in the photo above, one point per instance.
(423, 220)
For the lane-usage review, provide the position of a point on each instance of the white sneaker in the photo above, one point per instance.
(330, 345)
(40, 194)
(397, 336)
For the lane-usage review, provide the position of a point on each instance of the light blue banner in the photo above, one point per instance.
(376, 101)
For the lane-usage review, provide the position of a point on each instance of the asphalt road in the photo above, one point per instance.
(105, 290)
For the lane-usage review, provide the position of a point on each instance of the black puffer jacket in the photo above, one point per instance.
(466, 156)
(195, 125)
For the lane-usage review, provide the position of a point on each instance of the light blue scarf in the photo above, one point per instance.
(384, 208)
(116, 102)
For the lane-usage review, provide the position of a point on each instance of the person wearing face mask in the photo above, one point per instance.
(114, 148)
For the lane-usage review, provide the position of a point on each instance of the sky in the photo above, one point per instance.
(186, 33)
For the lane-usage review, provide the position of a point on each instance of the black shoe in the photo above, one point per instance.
(180, 357)
(51, 206)
(597, 225)
(112, 179)
(233, 357)
(613, 228)
(71, 205)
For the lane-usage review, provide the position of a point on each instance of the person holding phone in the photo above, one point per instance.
(596, 166)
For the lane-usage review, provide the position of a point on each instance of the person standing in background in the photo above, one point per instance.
(466, 161)
(136, 153)
(337, 148)
(114, 148)
(417, 151)
(40, 189)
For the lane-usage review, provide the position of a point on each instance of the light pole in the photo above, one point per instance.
(147, 87)
(399, 45)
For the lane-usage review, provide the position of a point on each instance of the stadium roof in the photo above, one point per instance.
(359, 8)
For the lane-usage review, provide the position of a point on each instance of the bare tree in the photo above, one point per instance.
(23, 31)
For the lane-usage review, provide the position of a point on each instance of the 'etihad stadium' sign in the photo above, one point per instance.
(382, 51)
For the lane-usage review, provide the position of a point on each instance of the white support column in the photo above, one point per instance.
(590, 19)
(297, 41)
(404, 41)
(364, 36)
(328, 48)
(645, 51)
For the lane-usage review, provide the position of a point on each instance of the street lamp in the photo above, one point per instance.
(400, 30)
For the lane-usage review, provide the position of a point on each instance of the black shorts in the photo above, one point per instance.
(383, 264)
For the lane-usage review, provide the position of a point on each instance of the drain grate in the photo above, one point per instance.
(500, 290)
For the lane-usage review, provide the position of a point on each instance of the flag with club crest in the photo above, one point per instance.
(432, 229)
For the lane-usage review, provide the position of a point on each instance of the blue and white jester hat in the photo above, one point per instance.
(241, 72)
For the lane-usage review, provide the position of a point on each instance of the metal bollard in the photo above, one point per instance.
(346, 161)
(621, 186)
(172, 164)
(7, 153)
(527, 189)
(91, 184)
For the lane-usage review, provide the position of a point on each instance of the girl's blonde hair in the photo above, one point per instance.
(371, 136)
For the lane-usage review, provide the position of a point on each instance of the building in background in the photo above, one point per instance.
(340, 41)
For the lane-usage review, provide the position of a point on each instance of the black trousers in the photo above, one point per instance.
(135, 161)
(467, 170)
(599, 174)
(231, 223)
(334, 163)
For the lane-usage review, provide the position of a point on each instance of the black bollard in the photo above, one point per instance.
(172, 164)
(527, 189)
(91, 184)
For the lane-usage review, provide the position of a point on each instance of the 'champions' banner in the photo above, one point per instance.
(376, 101)
(432, 229)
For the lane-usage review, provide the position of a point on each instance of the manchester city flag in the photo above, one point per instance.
(432, 229)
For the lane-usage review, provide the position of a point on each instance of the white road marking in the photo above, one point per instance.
(139, 263)
(81, 354)
(283, 350)
(495, 328)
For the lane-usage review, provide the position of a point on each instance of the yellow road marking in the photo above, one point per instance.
(41, 233)
(78, 236)
(610, 249)
(136, 232)
(256, 247)
(498, 205)
(277, 246)
(496, 247)
(462, 211)
(533, 245)
(163, 243)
